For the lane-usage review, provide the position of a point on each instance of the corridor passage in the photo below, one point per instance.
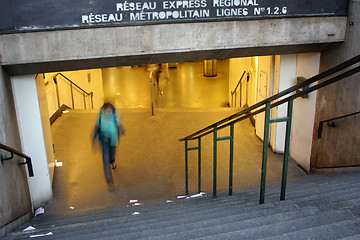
(182, 84)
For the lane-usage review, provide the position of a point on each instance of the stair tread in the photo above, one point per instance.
(313, 207)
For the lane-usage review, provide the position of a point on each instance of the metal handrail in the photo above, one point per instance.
(299, 86)
(91, 94)
(265, 106)
(333, 119)
(235, 89)
(20, 154)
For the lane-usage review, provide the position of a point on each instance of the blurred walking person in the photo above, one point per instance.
(108, 129)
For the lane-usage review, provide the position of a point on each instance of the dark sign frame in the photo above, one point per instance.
(41, 15)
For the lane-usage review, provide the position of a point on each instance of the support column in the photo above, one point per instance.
(33, 136)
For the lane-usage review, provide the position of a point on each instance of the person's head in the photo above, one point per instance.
(108, 108)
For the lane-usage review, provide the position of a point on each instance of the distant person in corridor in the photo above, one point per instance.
(108, 129)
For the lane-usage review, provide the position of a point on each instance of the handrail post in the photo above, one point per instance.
(240, 91)
(215, 162)
(84, 101)
(199, 165)
(186, 169)
(287, 149)
(57, 92)
(151, 90)
(231, 159)
(29, 167)
(72, 96)
(265, 152)
(232, 99)
(92, 100)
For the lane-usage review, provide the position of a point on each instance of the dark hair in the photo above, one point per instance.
(108, 105)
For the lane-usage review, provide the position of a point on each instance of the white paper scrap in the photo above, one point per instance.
(135, 213)
(133, 201)
(180, 197)
(137, 204)
(39, 211)
(42, 235)
(169, 201)
(71, 207)
(198, 195)
(58, 164)
(29, 228)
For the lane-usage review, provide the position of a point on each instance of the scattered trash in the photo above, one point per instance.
(58, 164)
(135, 213)
(181, 197)
(39, 211)
(137, 204)
(197, 195)
(42, 235)
(133, 201)
(72, 207)
(29, 228)
(169, 201)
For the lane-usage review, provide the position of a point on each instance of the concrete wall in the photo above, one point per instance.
(285, 76)
(45, 123)
(34, 126)
(304, 112)
(261, 90)
(15, 202)
(136, 45)
(339, 146)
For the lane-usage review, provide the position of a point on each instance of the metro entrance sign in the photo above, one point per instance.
(41, 15)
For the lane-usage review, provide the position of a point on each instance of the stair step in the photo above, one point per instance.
(283, 227)
(353, 237)
(347, 229)
(183, 213)
(314, 202)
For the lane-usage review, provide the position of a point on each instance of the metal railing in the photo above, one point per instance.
(264, 106)
(159, 93)
(330, 122)
(72, 84)
(14, 152)
(239, 84)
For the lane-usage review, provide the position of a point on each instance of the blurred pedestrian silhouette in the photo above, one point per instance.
(108, 129)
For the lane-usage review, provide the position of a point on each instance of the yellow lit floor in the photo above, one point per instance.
(150, 158)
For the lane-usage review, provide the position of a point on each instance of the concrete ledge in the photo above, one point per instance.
(10, 227)
(69, 65)
(134, 45)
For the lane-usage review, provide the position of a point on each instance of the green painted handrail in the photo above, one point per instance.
(265, 106)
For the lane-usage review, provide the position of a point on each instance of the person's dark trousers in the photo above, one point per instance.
(108, 158)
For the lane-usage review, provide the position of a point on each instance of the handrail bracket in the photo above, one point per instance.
(8, 158)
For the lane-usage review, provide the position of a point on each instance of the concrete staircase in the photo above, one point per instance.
(318, 206)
